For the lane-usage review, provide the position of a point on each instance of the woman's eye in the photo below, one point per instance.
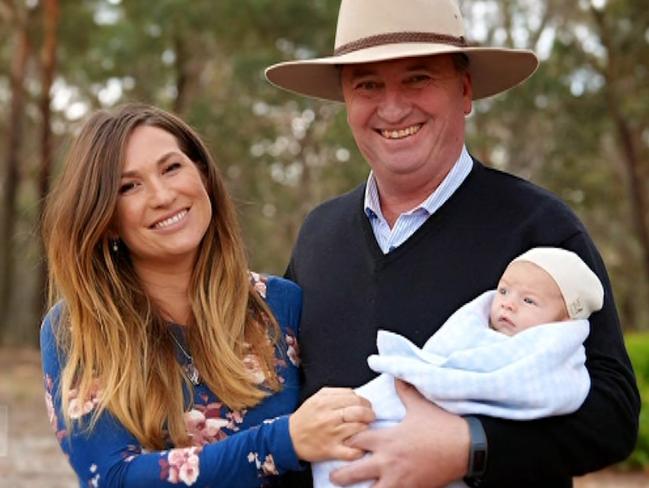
(126, 187)
(172, 167)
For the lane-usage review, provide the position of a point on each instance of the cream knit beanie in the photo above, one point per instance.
(581, 288)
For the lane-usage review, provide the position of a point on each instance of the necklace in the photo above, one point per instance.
(190, 370)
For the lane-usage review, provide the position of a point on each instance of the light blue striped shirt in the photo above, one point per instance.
(408, 222)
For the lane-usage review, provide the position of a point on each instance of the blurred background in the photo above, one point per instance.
(579, 127)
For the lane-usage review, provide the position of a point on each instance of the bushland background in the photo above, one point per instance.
(579, 127)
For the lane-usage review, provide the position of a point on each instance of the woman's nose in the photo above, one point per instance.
(160, 194)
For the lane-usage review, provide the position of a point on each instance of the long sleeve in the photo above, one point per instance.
(236, 456)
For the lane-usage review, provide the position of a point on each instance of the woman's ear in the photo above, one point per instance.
(112, 234)
(113, 241)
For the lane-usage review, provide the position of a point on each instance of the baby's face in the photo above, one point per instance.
(526, 296)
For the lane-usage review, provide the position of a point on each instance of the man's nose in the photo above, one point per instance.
(394, 106)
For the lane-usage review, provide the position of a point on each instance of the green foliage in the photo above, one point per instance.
(204, 59)
(638, 347)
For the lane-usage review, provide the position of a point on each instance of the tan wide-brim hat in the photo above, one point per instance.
(381, 30)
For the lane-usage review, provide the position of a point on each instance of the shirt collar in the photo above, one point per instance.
(460, 169)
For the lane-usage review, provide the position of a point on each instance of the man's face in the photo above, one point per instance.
(526, 296)
(407, 115)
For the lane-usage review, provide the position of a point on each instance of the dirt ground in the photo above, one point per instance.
(30, 456)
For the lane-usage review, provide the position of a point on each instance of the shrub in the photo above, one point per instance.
(638, 347)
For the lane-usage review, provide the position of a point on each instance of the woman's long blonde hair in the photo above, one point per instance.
(111, 332)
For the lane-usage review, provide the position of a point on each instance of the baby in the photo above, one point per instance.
(515, 352)
(544, 285)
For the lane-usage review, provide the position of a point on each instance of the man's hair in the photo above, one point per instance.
(461, 62)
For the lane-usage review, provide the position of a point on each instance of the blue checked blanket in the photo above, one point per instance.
(468, 368)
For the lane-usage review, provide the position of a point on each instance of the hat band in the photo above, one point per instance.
(397, 38)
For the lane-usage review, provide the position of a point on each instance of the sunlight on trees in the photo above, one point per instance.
(578, 127)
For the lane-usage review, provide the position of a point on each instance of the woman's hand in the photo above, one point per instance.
(321, 424)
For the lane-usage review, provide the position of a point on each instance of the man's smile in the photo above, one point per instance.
(399, 133)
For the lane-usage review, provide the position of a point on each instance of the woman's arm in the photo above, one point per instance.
(110, 456)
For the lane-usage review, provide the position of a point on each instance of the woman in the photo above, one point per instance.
(166, 362)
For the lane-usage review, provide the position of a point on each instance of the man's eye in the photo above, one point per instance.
(417, 79)
(367, 85)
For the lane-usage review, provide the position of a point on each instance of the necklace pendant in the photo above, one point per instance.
(192, 373)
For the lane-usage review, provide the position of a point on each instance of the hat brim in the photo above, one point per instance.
(492, 70)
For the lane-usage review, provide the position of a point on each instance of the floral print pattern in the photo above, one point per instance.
(292, 348)
(206, 422)
(259, 283)
(131, 453)
(265, 468)
(51, 411)
(94, 481)
(78, 407)
(202, 429)
(249, 457)
(181, 465)
(256, 373)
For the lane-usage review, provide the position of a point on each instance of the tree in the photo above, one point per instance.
(19, 17)
(50, 19)
(576, 124)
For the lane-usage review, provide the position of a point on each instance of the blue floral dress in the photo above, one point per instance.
(246, 448)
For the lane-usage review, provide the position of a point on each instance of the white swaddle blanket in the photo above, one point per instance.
(468, 368)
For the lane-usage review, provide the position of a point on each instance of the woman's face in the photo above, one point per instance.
(163, 209)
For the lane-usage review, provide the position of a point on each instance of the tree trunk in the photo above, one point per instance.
(628, 145)
(180, 103)
(639, 207)
(21, 54)
(51, 11)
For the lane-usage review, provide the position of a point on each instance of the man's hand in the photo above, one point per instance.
(429, 448)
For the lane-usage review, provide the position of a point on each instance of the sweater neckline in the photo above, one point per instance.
(423, 230)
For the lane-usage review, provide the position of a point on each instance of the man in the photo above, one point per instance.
(431, 229)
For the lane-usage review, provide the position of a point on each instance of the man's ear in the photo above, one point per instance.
(467, 92)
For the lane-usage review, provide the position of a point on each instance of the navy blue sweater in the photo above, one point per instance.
(351, 289)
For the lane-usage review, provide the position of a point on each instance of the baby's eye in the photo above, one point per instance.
(502, 290)
(529, 301)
